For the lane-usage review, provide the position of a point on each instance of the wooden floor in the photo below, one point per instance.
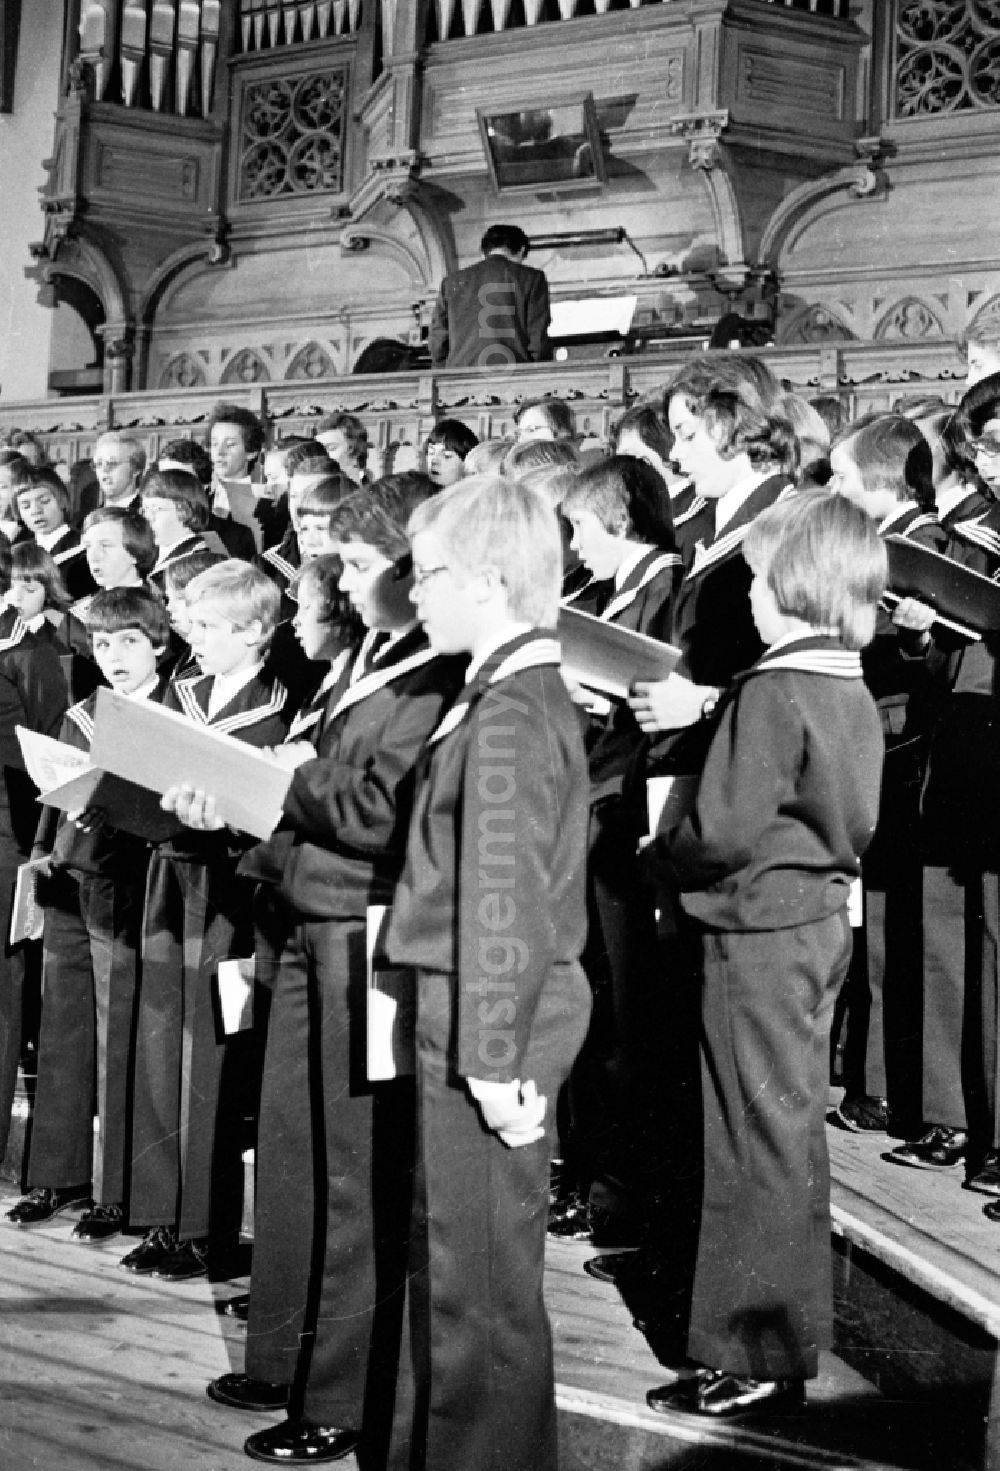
(101, 1371)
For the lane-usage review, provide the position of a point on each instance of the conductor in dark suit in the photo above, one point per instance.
(495, 312)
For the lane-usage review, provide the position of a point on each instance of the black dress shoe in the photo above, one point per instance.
(681, 1394)
(41, 1204)
(152, 1251)
(939, 1149)
(613, 1265)
(986, 1179)
(238, 1307)
(863, 1114)
(99, 1224)
(296, 1443)
(572, 1223)
(722, 1394)
(244, 1393)
(188, 1259)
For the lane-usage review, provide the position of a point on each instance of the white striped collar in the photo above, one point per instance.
(810, 655)
(695, 508)
(642, 572)
(83, 718)
(309, 716)
(529, 651)
(376, 679)
(979, 534)
(280, 563)
(906, 519)
(187, 694)
(18, 631)
(730, 541)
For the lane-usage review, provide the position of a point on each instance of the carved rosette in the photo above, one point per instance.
(292, 136)
(947, 56)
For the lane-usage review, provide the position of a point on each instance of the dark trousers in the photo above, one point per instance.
(762, 1295)
(193, 1087)
(89, 952)
(882, 994)
(960, 1000)
(14, 969)
(480, 1350)
(332, 1204)
(611, 1144)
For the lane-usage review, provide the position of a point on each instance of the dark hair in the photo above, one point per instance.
(189, 452)
(43, 477)
(379, 513)
(29, 560)
(324, 497)
(540, 454)
(21, 470)
(736, 397)
(116, 608)
(505, 237)
(891, 453)
(194, 508)
(649, 426)
(177, 575)
(558, 414)
(627, 484)
(245, 420)
(137, 534)
(4, 563)
(353, 431)
(323, 573)
(20, 439)
(454, 435)
(830, 410)
(309, 458)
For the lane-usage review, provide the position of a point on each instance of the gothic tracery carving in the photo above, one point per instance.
(947, 56)
(292, 136)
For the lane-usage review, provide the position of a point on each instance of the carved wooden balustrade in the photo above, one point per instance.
(399, 409)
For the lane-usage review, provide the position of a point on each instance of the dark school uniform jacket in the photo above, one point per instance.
(259, 714)
(960, 801)
(33, 692)
(713, 625)
(281, 562)
(70, 557)
(340, 845)
(788, 797)
(904, 686)
(694, 520)
(493, 886)
(643, 604)
(104, 850)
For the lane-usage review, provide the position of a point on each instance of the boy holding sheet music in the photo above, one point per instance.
(193, 1089)
(334, 1148)
(620, 514)
(490, 911)
(786, 804)
(93, 915)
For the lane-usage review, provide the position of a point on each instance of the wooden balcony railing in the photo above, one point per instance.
(399, 409)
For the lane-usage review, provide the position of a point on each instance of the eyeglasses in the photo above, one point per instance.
(424, 574)
(988, 444)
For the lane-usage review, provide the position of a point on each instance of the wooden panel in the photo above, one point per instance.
(150, 174)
